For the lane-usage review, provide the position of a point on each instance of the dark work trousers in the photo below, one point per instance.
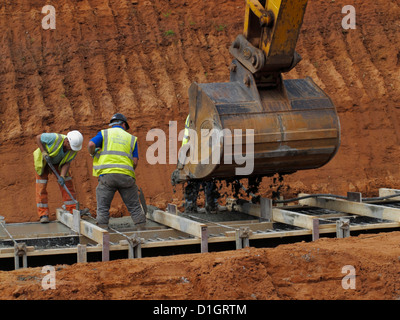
(192, 192)
(126, 186)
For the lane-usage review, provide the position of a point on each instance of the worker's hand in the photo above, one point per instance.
(61, 181)
(95, 151)
(46, 156)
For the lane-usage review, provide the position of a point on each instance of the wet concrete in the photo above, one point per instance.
(34, 230)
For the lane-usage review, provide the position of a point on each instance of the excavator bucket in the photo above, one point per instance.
(258, 124)
(241, 129)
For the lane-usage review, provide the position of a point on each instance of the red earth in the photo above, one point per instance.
(139, 57)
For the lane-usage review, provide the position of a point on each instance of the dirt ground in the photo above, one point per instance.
(313, 270)
(139, 57)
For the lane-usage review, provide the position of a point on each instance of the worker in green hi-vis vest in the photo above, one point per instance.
(115, 158)
(59, 150)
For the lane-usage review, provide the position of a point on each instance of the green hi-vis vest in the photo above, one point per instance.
(116, 153)
(186, 132)
(40, 162)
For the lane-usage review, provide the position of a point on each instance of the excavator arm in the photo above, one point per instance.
(270, 35)
(292, 124)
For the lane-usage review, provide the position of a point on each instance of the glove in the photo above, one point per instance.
(46, 156)
(61, 181)
(95, 151)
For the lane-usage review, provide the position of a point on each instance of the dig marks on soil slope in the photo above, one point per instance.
(140, 57)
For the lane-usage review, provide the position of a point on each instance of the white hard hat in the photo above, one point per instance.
(75, 139)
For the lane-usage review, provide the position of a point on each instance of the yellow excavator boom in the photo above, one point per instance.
(271, 30)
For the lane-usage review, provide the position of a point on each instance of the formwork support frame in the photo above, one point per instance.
(266, 211)
(81, 253)
(383, 192)
(357, 208)
(20, 251)
(242, 236)
(263, 211)
(343, 228)
(135, 249)
(87, 229)
(134, 246)
(231, 231)
(194, 228)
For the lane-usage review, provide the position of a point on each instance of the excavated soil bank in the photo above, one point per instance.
(139, 57)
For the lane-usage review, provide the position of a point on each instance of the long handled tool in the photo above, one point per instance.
(65, 187)
(19, 248)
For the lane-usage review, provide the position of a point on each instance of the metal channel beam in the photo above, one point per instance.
(293, 218)
(229, 228)
(362, 209)
(285, 216)
(249, 208)
(383, 192)
(301, 220)
(88, 230)
(182, 224)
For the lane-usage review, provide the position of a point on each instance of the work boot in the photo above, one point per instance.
(211, 209)
(221, 208)
(191, 210)
(190, 207)
(102, 225)
(140, 226)
(44, 219)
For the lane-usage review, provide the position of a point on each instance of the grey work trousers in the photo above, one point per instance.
(127, 188)
(192, 189)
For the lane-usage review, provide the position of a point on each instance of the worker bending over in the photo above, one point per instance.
(59, 150)
(115, 158)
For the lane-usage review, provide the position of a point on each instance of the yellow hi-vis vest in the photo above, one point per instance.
(116, 153)
(186, 132)
(40, 162)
